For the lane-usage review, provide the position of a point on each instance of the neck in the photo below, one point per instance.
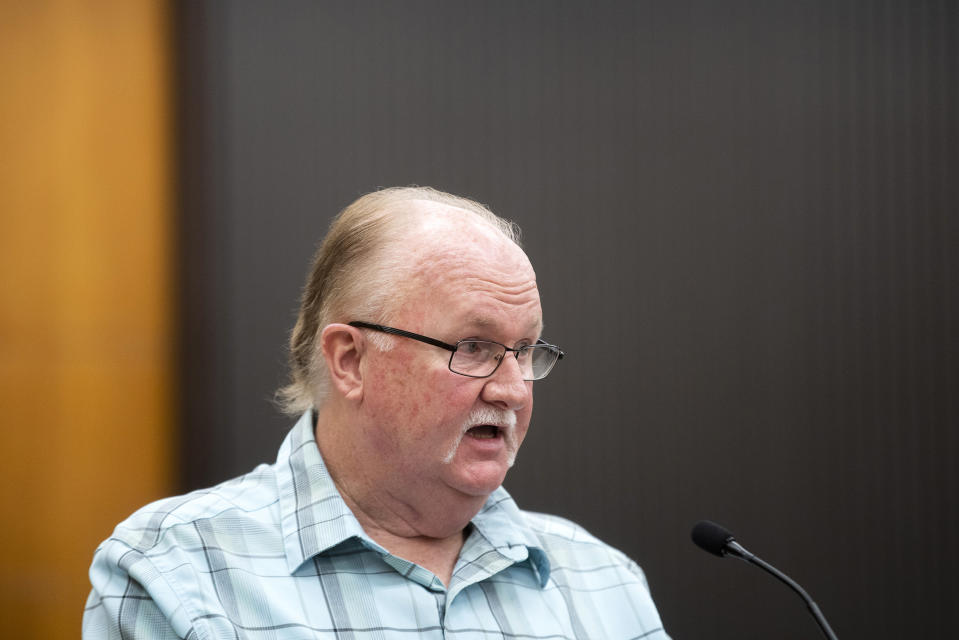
(438, 554)
(416, 524)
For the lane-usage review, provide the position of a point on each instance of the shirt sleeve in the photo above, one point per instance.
(131, 599)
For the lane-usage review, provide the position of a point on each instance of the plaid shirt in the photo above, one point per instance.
(277, 554)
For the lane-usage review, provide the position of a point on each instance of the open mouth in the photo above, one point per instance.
(484, 432)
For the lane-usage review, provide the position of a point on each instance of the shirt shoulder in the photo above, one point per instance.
(157, 573)
(571, 547)
(548, 525)
(235, 504)
(604, 592)
(556, 531)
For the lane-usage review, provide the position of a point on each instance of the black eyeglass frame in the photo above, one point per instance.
(453, 347)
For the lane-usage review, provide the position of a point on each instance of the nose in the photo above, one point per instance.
(506, 387)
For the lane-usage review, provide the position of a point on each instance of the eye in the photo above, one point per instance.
(523, 351)
(471, 348)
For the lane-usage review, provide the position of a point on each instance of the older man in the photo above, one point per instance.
(413, 361)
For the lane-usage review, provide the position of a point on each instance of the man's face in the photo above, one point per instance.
(436, 430)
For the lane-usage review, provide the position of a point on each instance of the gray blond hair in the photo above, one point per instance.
(359, 272)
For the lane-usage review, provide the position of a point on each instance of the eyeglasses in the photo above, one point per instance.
(481, 358)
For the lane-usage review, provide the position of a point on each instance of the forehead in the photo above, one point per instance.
(467, 276)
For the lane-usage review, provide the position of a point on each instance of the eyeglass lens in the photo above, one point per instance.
(480, 358)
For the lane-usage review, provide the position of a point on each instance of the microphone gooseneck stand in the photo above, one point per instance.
(715, 539)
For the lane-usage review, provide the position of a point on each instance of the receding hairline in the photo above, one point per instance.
(434, 228)
(492, 257)
(396, 200)
(424, 210)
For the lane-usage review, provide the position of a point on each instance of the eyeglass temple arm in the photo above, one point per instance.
(559, 351)
(405, 334)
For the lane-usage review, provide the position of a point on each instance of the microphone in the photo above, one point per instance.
(718, 541)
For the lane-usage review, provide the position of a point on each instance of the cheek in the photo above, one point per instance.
(445, 397)
(424, 394)
(417, 400)
(392, 393)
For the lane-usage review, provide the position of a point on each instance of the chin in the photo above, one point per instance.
(481, 481)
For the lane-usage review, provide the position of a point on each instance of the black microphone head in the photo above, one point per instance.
(711, 537)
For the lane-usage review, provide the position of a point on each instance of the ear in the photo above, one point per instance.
(343, 347)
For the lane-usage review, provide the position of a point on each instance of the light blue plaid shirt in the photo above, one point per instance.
(277, 554)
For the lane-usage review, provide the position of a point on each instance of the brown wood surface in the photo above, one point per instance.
(85, 293)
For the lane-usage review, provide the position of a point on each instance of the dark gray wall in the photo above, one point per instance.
(743, 219)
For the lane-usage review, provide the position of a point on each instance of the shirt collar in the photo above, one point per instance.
(314, 517)
(503, 525)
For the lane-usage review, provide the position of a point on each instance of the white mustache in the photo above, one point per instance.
(502, 418)
(488, 415)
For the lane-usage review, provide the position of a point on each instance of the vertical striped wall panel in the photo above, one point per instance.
(882, 290)
(743, 220)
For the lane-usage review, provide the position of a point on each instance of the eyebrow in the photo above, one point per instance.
(485, 324)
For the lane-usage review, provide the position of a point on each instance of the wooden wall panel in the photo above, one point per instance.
(85, 293)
